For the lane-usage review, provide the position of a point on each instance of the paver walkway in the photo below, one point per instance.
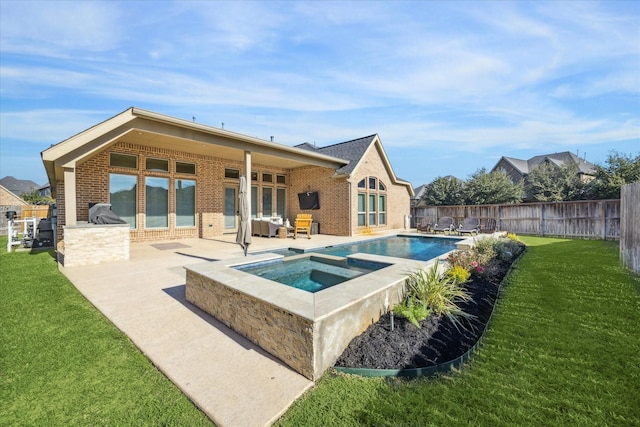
(229, 378)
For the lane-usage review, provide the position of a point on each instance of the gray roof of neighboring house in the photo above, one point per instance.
(526, 166)
(419, 191)
(18, 186)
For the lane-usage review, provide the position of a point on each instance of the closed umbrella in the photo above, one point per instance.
(243, 238)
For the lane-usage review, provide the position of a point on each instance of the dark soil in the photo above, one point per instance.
(438, 340)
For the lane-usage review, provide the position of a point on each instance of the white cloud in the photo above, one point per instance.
(52, 28)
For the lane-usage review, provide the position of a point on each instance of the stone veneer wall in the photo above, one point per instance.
(283, 334)
(87, 244)
(309, 346)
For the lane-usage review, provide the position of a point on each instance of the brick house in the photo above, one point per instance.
(171, 178)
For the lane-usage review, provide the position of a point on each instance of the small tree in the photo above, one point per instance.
(33, 197)
(551, 183)
(447, 190)
(496, 187)
(620, 169)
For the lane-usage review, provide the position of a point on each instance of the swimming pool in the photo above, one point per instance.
(311, 273)
(407, 247)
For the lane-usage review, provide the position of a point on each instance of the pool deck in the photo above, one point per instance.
(233, 381)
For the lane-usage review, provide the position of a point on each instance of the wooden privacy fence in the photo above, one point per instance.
(630, 226)
(593, 219)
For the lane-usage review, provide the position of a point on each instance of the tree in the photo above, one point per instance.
(447, 190)
(34, 198)
(548, 182)
(620, 169)
(496, 187)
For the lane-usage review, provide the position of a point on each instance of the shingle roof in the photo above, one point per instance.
(18, 186)
(352, 151)
(526, 166)
(561, 159)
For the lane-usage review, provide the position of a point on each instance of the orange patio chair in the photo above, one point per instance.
(302, 224)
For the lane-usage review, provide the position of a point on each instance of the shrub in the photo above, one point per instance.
(413, 310)
(512, 236)
(484, 250)
(458, 273)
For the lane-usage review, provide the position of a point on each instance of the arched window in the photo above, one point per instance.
(372, 202)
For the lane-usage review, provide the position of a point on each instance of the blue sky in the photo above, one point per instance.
(450, 87)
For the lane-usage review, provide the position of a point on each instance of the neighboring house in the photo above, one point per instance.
(416, 203)
(171, 178)
(518, 170)
(9, 201)
(45, 190)
(18, 186)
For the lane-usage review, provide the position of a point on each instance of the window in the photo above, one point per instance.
(123, 193)
(362, 197)
(232, 173)
(267, 177)
(157, 165)
(382, 209)
(372, 202)
(186, 168)
(123, 161)
(254, 202)
(281, 202)
(254, 176)
(372, 209)
(281, 179)
(185, 203)
(157, 202)
(267, 201)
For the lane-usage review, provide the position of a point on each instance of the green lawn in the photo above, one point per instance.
(62, 363)
(562, 349)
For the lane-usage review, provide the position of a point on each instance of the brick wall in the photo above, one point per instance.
(338, 196)
(398, 198)
(333, 215)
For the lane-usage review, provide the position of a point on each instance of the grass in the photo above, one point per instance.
(562, 349)
(63, 363)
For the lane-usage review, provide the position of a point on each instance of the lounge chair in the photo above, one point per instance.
(444, 224)
(425, 225)
(490, 226)
(302, 224)
(469, 225)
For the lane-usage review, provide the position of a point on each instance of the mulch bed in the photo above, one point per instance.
(437, 341)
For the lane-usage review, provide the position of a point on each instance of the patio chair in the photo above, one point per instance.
(490, 226)
(425, 225)
(469, 225)
(444, 224)
(302, 224)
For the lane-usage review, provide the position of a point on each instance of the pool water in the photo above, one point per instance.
(418, 248)
(311, 273)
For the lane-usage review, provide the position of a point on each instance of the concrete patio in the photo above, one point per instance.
(233, 381)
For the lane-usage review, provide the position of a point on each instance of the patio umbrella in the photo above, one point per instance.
(243, 238)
